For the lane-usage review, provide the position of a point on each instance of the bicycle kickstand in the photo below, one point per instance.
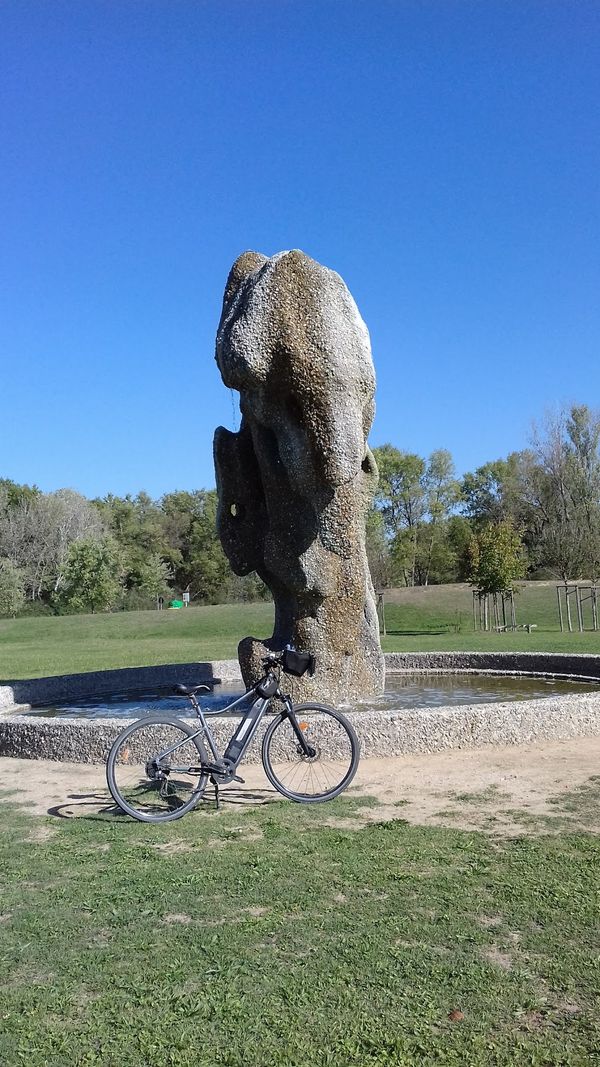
(216, 785)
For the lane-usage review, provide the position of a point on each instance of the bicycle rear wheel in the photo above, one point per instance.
(331, 764)
(154, 769)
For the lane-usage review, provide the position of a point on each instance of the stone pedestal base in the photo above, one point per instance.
(337, 679)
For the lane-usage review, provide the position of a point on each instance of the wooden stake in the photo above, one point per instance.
(569, 621)
(579, 608)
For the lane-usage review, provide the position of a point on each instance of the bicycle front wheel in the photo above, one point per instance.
(331, 763)
(154, 769)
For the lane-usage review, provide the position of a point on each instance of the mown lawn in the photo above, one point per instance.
(34, 647)
(433, 618)
(261, 937)
(451, 607)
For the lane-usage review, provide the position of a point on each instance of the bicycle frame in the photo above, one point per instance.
(227, 763)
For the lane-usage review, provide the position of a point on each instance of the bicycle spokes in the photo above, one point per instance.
(157, 769)
(311, 757)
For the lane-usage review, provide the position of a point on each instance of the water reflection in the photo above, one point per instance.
(402, 691)
(438, 690)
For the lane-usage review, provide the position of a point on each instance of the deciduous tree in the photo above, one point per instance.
(12, 588)
(92, 579)
(37, 532)
(415, 498)
(497, 558)
(563, 486)
(155, 576)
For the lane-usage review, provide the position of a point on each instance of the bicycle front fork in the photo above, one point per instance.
(299, 727)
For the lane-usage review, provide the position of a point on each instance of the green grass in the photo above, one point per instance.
(261, 937)
(35, 647)
(538, 641)
(440, 618)
(422, 619)
(448, 606)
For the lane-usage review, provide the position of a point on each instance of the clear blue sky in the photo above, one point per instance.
(442, 155)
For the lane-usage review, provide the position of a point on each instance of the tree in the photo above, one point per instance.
(12, 494)
(92, 578)
(155, 575)
(67, 517)
(495, 491)
(583, 431)
(378, 551)
(138, 526)
(497, 558)
(563, 488)
(400, 493)
(180, 529)
(36, 533)
(442, 493)
(12, 588)
(415, 498)
(457, 540)
(201, 565)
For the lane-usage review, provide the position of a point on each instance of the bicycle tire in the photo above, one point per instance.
(126, 743)
(280, 746)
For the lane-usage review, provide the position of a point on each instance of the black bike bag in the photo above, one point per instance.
(268, 687)
(298, 663)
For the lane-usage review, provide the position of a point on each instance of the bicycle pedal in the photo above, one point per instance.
(220, 775)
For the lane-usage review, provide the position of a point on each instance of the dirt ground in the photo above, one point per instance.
(503, 790)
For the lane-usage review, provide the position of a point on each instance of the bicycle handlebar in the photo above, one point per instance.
(278, 659)
(273, 659)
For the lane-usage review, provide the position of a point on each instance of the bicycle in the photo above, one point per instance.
(158, 767)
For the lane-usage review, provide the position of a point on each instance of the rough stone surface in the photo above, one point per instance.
(295, 483)
(381, 733)
(127, 679)
(40, 691)
(576, 664)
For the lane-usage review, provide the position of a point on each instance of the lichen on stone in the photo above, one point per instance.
(296, 482)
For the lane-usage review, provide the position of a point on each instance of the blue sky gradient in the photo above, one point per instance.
(444, 157)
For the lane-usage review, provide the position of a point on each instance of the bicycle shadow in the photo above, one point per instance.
(242, 797)
(76, 805)
(103, 805)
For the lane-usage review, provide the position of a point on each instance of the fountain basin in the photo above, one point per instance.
(384, 730)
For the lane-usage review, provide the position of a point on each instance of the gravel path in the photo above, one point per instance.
(473, 789)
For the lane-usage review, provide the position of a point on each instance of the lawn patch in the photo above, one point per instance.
(293, 943)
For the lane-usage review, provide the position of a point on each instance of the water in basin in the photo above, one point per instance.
(402, 691)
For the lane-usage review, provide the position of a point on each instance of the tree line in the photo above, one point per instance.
(535, 513)
(538, 508)
(60, 552)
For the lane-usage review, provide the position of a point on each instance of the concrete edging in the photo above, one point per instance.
(382, 733)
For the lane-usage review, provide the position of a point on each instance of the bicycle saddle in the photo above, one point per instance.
(191, 690)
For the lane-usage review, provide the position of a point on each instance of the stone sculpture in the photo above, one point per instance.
(296, 482)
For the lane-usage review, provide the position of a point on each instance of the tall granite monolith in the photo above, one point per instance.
(296, 482)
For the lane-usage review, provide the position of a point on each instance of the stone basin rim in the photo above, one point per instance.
(28, 692)
(382, 732)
